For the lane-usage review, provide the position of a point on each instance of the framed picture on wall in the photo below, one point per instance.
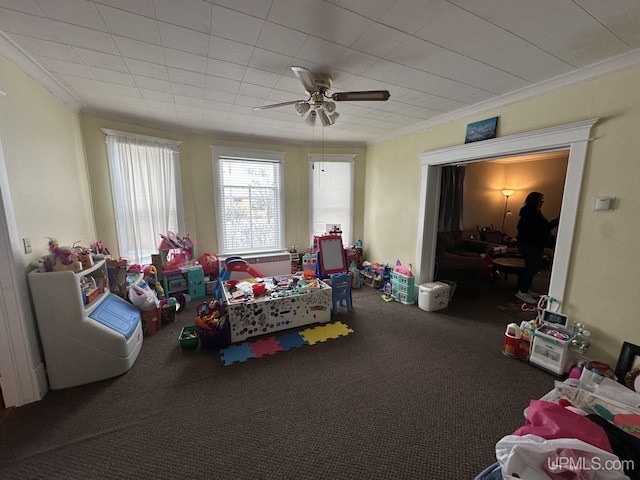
(628, 362)
(481, 130)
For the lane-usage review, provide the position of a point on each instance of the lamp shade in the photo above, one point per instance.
(311, 118)
(508, 193)
(302, 108)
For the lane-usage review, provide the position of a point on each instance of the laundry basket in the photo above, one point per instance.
(452, 287)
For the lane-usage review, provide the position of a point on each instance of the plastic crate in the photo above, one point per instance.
(188, 337)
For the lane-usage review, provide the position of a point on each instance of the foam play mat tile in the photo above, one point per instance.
(236, 353)
(291, 340)
(324, 332)
(267, 346)
(282, 343)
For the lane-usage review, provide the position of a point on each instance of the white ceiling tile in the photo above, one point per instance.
(102, 60)
(341, 26)
(491, 45)
(379, 40)
(369, 8)
(182, 90)
(257, 8)
(130, 25)
(185, 61)
(234, 25)
(297, 14)
(141, 7)
(279, 39)
(269, 61)
(260, 77)
(69, 68)
(77, 12)
(222, 84)
(187, 77)
(29, 25)
(195, 109)
(85, 37)
(193, 14)
(563, 29)
(139, 50)
(220, 68)
(620, 16)
(355, 62)
(24, 6)
(154, 104)
(416, 53)
(45, 48)
(112, 76)
(155, 84)
(253, 90)
(319, 51)
(218, 96)
(180, 38)
(155, 95)
(224, 49)
(104, 87)
(410, 16)
(147, 69)
(219, 107)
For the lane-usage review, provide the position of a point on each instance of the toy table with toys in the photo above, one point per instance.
(279, 303)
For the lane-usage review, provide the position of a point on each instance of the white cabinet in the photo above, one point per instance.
(85, 337)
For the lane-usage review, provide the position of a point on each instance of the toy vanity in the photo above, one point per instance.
(551, 342)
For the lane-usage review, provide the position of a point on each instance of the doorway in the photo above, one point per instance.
(572, 137)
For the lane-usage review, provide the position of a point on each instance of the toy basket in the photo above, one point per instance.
(216, 337)
(214, 328)
(167, 315)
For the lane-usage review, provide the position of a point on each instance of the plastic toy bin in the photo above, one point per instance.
(433, 296)
(188, 337)
(217, 337)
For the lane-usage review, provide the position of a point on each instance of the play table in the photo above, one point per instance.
(283, 306)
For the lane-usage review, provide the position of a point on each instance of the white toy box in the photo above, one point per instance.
(433, 296)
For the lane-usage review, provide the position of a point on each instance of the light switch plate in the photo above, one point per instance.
(27, 245)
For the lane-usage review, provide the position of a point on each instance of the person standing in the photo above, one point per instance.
(534, 235)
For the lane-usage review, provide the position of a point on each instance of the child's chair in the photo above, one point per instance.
(341, 292)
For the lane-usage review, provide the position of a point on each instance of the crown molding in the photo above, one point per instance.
(31, 67)
(621, 62)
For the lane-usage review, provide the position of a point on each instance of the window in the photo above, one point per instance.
(249, 200)
(332, 194)
(145, 183)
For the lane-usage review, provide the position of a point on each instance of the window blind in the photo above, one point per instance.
(249, 202)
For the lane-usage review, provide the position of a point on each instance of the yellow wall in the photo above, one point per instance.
(198, 186)
(45, 163)
(601, 283)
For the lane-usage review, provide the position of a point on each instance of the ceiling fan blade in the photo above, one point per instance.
(306, 77)
(369, 96)
(283, 104)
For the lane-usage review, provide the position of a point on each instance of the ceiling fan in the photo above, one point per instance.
(320, 103)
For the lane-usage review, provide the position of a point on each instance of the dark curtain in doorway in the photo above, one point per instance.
(451, 199)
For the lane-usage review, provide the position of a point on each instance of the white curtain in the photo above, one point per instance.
(145, 179)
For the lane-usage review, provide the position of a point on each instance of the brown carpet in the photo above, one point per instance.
(409, 395)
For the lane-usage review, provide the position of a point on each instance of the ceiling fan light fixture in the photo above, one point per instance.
(324, 118)
(311, 118)
(330, 107)
(333, 117)
(302, 108)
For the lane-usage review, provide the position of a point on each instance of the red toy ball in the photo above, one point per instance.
(210, 264)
